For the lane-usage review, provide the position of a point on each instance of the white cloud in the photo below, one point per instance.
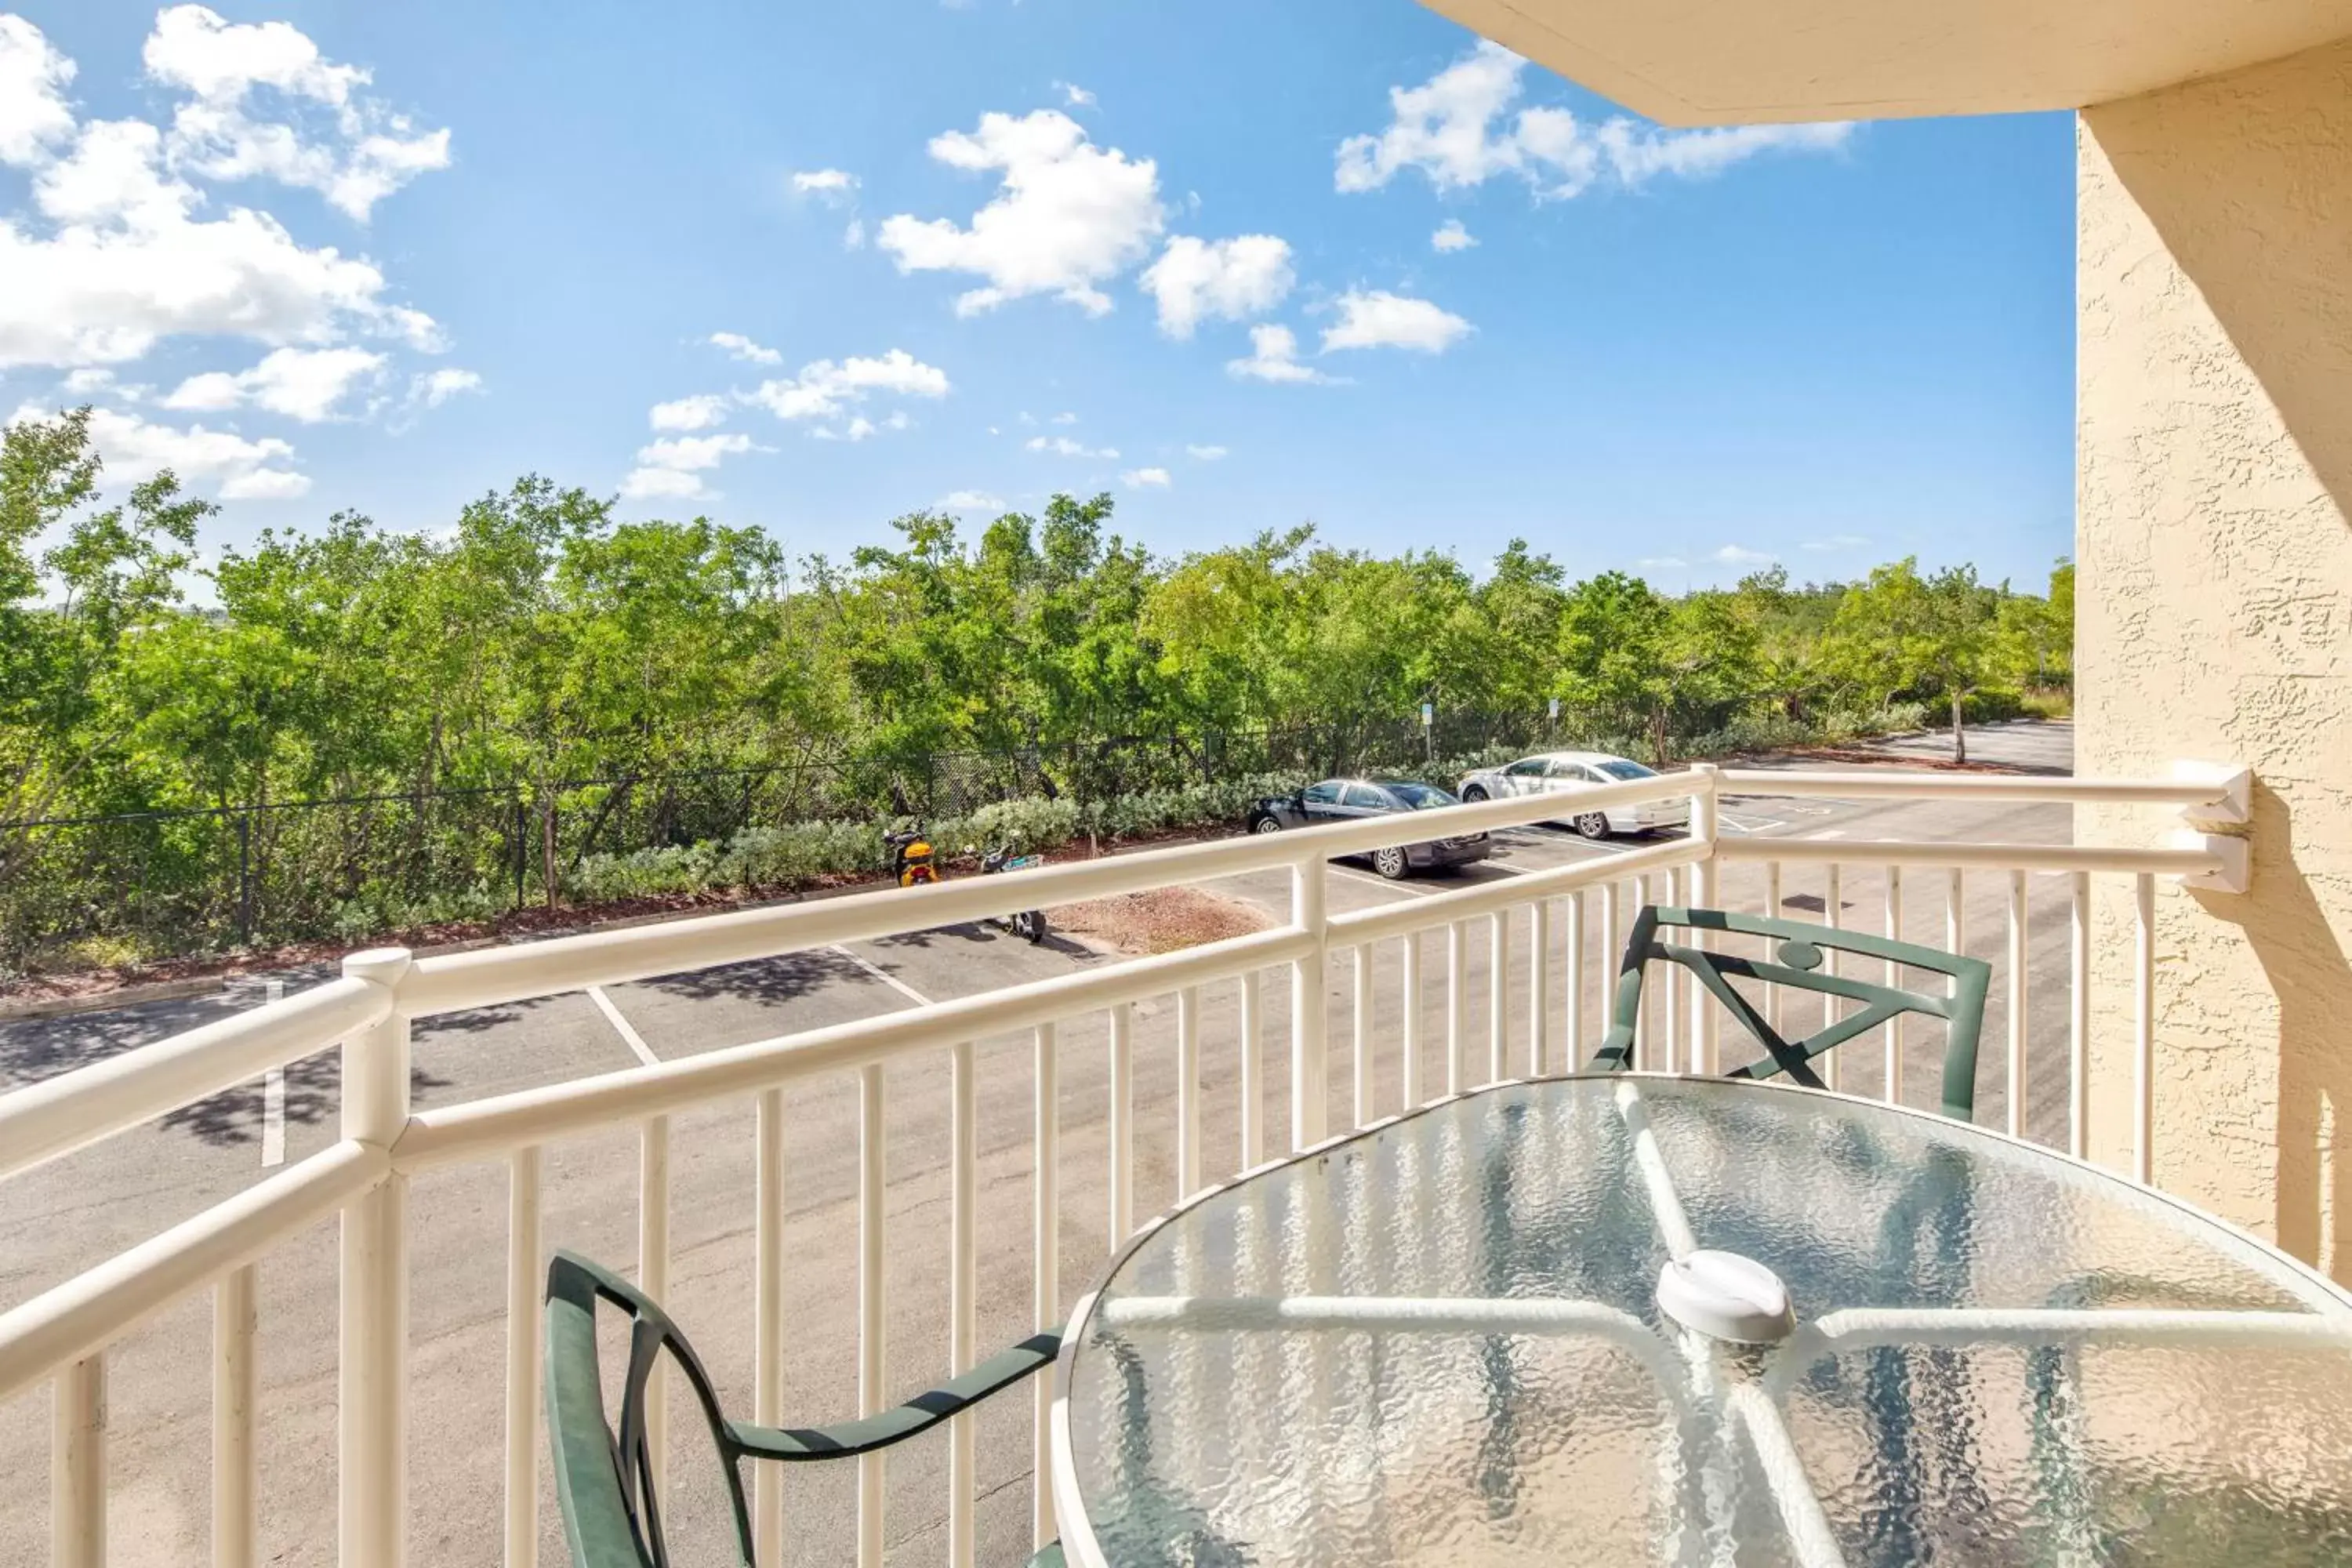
(262, 484)
(823, 389)
(697, 413)
(235, 467)
(1067, 216)
(1206, 454)
(970, 500)
(668, 484)
(1143, 479)
(89, 379)
(1733, 555)
(302, 383)
(192, 48)
(355, 152)
(1076, 97)
(1641, 152)
(436, 387)
(1026, 417)
(1375, 319)
(1443, 126)
(825, 182)
(854, 236)
(859, 427)
(738, 346)
(113, 257)
(34, 115)
(1061, 446)
(692, 453)
(672, 468)
(1836, 542)
(1273, 356)
(1065, 418)
(1231, 278)
(1457, 129)
(1451, 236)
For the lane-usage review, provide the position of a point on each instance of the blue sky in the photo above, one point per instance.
(1671, 355)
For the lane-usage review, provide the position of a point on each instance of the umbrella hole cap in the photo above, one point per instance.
(1727, 1296)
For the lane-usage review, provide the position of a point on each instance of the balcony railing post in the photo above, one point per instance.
(1706, 828)
(233, 1388)
(78, 1466)
(373, 1505)
(1310, 1066)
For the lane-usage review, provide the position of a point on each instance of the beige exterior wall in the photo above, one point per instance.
(2215, 617)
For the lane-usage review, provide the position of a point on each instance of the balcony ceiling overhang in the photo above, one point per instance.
(1716, 62)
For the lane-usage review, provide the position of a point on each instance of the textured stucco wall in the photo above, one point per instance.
(2215, 616)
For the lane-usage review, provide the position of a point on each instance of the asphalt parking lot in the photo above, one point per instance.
(65, 1216)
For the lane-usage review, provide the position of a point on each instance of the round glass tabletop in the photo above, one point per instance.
(1636, 1320)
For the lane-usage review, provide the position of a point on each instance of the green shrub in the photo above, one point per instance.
(377, 909)
(673, 868)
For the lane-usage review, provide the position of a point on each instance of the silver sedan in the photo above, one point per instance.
(1566, 772)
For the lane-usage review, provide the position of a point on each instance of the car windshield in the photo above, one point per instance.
(1421, 797)
(1622, 769)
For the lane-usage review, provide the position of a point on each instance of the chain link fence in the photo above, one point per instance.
(86, 891)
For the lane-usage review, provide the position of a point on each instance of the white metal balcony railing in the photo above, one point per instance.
(1540, 1015)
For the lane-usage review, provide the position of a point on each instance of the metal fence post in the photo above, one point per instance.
(373, 1417)
(522, 845)
(245, 879)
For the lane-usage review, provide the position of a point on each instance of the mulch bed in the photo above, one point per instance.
(1161, 920)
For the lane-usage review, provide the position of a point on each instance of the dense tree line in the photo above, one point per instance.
(540, 640)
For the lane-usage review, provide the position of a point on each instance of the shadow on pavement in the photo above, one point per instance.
(784, 979)
(313, 1089)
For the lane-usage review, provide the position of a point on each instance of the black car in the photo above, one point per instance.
(1341, 800)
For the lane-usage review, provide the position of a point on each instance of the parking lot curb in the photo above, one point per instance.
(120, 997)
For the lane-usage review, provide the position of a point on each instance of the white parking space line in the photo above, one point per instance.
(1382, 882)
(622, 1027)
(273, 1095)
(886, 977)
(1735, 823)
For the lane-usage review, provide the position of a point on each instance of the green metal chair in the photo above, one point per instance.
(1800, 953)
(612, 1516)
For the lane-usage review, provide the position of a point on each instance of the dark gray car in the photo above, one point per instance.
(1342, 800)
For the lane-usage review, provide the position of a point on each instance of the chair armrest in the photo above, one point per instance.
(845, 1440)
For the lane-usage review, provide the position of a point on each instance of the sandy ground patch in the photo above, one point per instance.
(1161, 920)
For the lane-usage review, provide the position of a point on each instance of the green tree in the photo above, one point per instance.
(71, 614)
(1612, 653)
(1937, 636)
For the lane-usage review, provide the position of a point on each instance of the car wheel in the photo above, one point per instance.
(1592, 824)
(1475, 793)
(1266, 825)
(1390, 863)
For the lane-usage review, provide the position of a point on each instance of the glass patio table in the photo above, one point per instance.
(1636, 1319)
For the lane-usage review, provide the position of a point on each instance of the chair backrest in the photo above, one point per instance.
(603, 1485)
(1799, 962)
